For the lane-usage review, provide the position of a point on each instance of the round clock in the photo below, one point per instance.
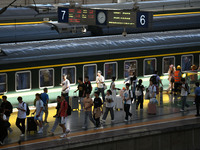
(101, 17)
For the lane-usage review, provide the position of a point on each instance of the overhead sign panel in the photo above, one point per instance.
(121, 18)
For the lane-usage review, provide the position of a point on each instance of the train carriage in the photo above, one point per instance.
(29, 66)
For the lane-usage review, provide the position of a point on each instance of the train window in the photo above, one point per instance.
(149, 66)
(46, 78)
(186, 62)
(110, 70)
(130, 66)
(23, 81)
(71, 74)
(3, 83)
(90, 71)
(167, 61)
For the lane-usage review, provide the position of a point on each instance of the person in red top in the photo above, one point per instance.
(63, 116)
(177, 80)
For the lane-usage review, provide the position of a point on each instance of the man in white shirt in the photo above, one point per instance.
(39, 112)
(21, 117)
(184, 94)
(65, 86)
(128, 95)
(100, 84)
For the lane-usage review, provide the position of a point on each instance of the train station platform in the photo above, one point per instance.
(169, 129)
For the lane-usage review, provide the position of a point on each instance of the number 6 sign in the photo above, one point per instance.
(144, 19)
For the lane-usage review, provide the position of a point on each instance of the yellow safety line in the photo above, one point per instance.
(172, 14)
(40, 22)
(97, 61)
(22, 23)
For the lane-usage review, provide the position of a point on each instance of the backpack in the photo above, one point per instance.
(154, 79)
(27, 109)
(69, 110)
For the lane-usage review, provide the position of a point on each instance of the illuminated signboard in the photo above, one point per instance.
(122, 18)
(77, 16)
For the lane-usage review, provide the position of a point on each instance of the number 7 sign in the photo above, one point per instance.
(63, 14)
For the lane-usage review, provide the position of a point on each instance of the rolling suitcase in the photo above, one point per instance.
(75, 103)
(31, 125)
(151, 109)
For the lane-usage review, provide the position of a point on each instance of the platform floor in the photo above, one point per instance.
(168, 110)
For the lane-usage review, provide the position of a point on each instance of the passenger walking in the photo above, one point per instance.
(113, 89)
(152, 90)
(45, 99)
(171, 78)
(100, 84)
(177, 79)
(65, 86)
(156, 81)
(197, 98)
(39, 112)
(139, 94)
(21, 116)
(4, 124)
(57, 118)
(63, 116)
(81, 88)
(184, 94)
(109, 106)
(88, 85)
(127, 96)
(88, 103)
(98, 110)
(134, 81)
(8, 109)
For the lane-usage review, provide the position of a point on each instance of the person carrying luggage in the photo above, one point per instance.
(177, 80)
(63, 116)
(81, 88)
(57, 118)
(8, 108)
(98, 109)
(139, 94)
(109, 106)
(21, 116)
(45, 99)
(87, 104)
(39, 112)
(127, 96)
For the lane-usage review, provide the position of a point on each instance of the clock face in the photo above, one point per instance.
(101, 17)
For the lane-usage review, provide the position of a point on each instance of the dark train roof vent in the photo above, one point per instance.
(2, 53)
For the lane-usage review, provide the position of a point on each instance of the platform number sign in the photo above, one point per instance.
(142, 19)
(63, 14)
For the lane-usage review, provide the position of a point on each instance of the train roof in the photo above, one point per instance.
(93, 46)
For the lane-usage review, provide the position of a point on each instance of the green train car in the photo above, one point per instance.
(28, 67)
